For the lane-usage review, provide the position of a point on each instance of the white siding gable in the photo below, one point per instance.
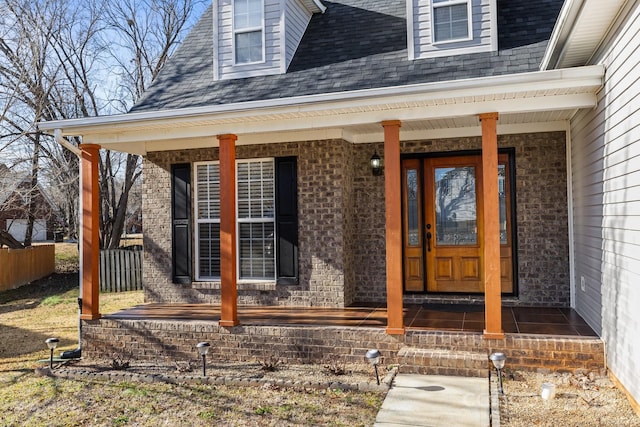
(226, 68)
(297, 18)
(420, 31)
(284, 24)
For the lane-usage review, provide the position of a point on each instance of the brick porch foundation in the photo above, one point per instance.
(166, 341)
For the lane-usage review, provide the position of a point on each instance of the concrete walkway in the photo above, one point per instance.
(435, 400)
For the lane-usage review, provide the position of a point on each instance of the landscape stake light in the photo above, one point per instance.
(498, 360)
(52, 343)
(373, 356)
(203, 349)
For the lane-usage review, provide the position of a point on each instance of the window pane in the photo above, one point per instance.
(255, 190)
(243, 171)
(209, 250)
(255, 13)
(456, 216)
(255, 52)
(247, 14)
(256, 249)
(249, 47)
(459, 30)
(442, 32)
(458, 12)
(268, 209)
(413, 208)
(208, 191)
(502, 194)
(442, 14)
(242, 49)
(242, 42)
(255, 45)
(450, 22)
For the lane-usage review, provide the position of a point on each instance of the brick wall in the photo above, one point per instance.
(369, 243)
(169, 341)
(341, 222)
(543, 242)
(349, 220)
(542, 218)
(325, 224)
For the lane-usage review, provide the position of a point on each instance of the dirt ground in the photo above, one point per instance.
(580, 400)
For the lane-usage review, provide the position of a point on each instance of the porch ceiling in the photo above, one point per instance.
(530, 101)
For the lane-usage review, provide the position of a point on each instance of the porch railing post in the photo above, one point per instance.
(491, 218)
(90, 309)
(393, 228)
(228, 275)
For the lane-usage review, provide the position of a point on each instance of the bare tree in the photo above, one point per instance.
(148, 32)
(55, 57)
(27, 73)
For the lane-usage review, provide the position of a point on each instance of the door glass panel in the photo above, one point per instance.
(412, 208)
(456, 216)
(502, 194)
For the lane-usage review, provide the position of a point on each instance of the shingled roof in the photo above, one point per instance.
(355, 44)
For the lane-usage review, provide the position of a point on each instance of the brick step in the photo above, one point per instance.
(443, 362)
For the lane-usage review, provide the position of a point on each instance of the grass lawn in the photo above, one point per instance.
(48, 307)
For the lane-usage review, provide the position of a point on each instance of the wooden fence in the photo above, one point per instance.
(120, 270)
(21, 266)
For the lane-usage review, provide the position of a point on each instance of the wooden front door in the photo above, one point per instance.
(443, 236)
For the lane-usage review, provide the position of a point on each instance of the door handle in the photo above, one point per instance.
(428, 241)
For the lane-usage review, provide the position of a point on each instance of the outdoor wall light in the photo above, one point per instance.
(203, 349)
(376, 164)
(373, 356)
(498, 360)
(52, 343)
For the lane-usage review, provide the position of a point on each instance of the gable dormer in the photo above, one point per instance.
(258, 37)
(451, 27)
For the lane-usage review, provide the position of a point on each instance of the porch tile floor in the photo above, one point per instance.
(523, 320)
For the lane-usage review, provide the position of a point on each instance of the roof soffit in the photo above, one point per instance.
(515, 94)
(579, 31)
(314, 6)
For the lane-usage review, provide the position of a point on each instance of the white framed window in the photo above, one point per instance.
(451, 20)
(248, 31)
(256, 219)
(207, 207)
(255, 215)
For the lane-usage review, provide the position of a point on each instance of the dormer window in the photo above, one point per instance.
(258, 37)
(451, 20)
(248, 31)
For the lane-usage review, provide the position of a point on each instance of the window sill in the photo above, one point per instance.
(445, 43)
(242, 286)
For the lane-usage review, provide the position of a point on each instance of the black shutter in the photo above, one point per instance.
(287, 220)
(181, 222)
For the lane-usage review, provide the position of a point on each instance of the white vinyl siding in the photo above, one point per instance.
(297, 19)
(606, 194)
(227, 67)
(421, 35)
(255, 213)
